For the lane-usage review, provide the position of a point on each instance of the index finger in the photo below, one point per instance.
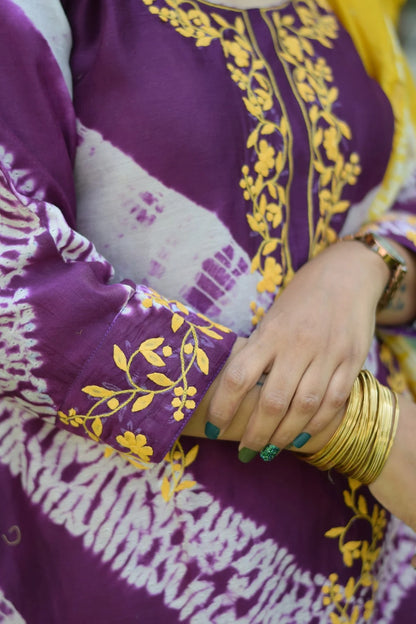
(242, 371)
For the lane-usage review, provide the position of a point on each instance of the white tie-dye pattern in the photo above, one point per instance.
(20, 224)
(394, 582)
(132, 218)
(8, 613)
(120, 515)
(132, 518)
(21, 227)
(49, 19)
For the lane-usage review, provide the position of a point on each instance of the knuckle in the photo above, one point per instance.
(256, 441)
(337, 399)
(308, 403)
(282, 439)
(316, 425)
(274, 402)
(306, 335)
(234, 378)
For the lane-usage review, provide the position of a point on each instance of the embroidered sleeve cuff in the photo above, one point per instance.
(138, 391)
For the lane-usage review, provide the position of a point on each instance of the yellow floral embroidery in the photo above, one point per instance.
(137, 445)
(109, 401)
(311, 79)
(177, 461)
(347, 609)
(262, 182)
(396, 378)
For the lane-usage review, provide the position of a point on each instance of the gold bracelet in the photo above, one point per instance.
(360, 446)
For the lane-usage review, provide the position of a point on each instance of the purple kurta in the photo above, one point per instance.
(214, 151)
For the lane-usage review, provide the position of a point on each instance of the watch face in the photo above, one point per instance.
(392, 251)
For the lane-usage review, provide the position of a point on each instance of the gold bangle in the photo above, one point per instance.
(360, 446)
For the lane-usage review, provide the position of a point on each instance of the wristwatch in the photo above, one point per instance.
(389, 254)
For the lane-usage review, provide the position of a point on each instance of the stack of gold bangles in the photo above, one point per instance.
(360, 446)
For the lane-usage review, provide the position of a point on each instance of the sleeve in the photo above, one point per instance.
(117, 363)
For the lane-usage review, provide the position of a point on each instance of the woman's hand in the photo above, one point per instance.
(312, 343)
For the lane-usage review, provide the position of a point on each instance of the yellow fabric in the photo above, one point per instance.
(372, 26)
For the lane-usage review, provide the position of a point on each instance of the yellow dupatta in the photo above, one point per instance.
(372, 26)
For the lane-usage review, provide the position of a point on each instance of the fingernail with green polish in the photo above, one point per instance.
(245, 455)
(301, 440)
(269, 452)
(211, 431)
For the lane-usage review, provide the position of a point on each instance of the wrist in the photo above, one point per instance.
(390, 256)
(371, 265)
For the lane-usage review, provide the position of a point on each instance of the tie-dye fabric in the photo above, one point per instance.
(165, 168)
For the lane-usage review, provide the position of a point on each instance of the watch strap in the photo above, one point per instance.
(391, 257)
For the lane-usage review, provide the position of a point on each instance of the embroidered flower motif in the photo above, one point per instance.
(351, 170)
(239, 77)
(364, 552)
(257, 311)
(240, 55)
(137, 445)
(265, 160)
(320, 69)
(272, 276)
(331, 143)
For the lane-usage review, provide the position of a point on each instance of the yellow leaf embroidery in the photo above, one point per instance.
(97, 391)
(152, 357)
(97, 427)
(202, 361)
(255, 263)
(269, 247)
(349, 588)
(318, 138)
(252, 139)
(345, 129)
(335, 532)
(220, 20)
(341, 206)
(362, 505)
(177, 322)
(142, 402)
(160, 379)
(279, 167)
(254, 225)
(184, 485)
(347, 498)
(165, 489)
(182, 308)
(191, 455)
(272, 189)
(268, 128)
(203, 41)
(209, 332)
(355, 615)
(119, 358)
(239, 25)
(151, 344)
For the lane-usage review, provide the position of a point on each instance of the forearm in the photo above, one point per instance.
(396, 486)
